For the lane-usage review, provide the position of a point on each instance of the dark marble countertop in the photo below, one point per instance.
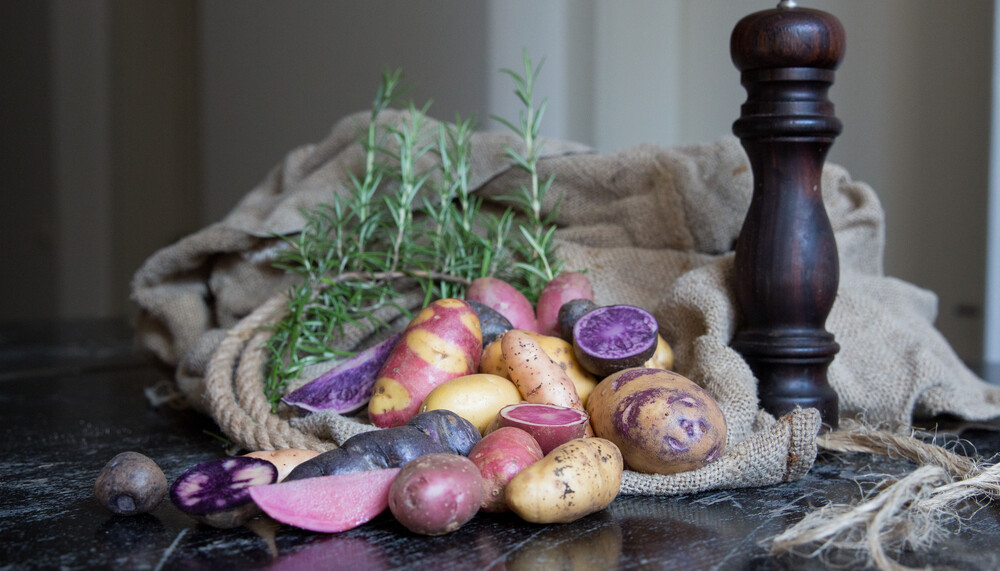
(72, 396)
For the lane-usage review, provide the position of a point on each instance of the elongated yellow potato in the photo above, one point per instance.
(575, 479)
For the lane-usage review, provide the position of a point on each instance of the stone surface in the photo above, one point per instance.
(62, 423)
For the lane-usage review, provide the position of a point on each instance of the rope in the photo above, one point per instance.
(234, 386)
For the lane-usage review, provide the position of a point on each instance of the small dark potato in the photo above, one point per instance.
(331, 463)
(569, 313)
(130, 484)
(492, 323)
(393, 447)
(455, 433)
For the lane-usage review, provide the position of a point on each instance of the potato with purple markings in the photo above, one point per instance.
(662, 422)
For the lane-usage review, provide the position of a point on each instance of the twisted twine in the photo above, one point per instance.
(911, 512)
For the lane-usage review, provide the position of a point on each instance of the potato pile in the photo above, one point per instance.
(486, 403)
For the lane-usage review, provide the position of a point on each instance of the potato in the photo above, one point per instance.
(505, 299)
(442, 342)
(330, 504)
(662, 422)
(578, 478)
(500, 456)
(663, 357)
(565, 287)
(436, 494)
(538, 378)
(560, 351)
(476, 398)
(284, 460)
(130, 483)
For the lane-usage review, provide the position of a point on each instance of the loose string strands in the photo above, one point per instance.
(908, 513)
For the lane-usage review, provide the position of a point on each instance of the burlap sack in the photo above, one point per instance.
(655, 228)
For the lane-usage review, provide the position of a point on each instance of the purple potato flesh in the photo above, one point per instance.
(347, 386)
(614, 337)
(220, 485)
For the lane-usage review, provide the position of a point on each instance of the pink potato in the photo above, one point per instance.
(443, 341)
(500, 456)
(505, 299)
(327, 504)
(436, 494)
(565, 287)
(548, 424)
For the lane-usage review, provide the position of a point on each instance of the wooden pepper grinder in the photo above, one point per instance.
(786, 257)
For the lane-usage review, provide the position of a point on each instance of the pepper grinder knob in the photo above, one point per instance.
(786, 263)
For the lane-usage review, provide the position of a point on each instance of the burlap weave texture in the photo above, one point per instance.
(653, 227)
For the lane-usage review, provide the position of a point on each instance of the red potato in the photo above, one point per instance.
(442, 342)
(500, 456)
(327, 504)
(505, 299)
(565, 287)
(436, 494)
(548, 424)
(537, 376)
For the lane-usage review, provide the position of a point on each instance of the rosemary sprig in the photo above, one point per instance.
(537, 251)
(402, 223)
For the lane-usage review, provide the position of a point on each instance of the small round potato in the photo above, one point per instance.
(436, 494)
(662, 422)
(131, 483)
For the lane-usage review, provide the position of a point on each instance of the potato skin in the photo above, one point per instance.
(476, 398)
(578, 478)
(505, 299)
(436, 494)
(564, 287)
(500, 456)
(442, 342)
(130, 483)
(662, 422)
(663, 357)
(559, 350)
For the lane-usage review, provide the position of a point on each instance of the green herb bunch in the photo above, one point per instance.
(399, 223)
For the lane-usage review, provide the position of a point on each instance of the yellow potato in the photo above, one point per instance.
(476, 398)
(284, 460)
(575, 479)
(662, 422)
(557, 349)
(663, 358)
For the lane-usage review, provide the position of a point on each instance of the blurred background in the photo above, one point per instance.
(128, 124)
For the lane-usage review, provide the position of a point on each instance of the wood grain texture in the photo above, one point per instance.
(787, 270)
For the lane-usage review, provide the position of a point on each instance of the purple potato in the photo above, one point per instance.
(455, 433)
(216, 492)
(614, 337)
(130, 483)
(347, 386)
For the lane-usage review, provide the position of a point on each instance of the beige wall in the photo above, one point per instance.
(179, 108)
